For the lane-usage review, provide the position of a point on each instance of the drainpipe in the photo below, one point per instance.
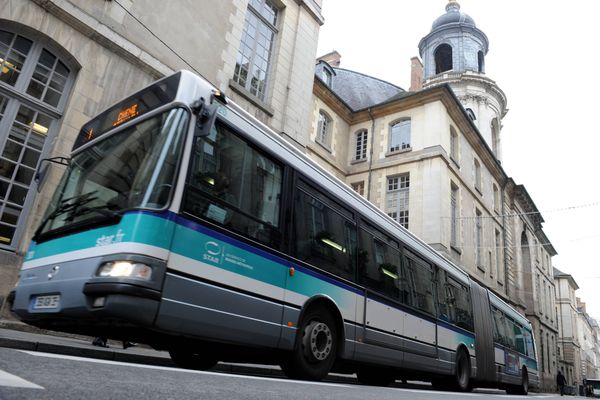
(370, 154)
(504, 235)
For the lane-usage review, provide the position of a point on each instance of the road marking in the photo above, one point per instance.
(11, 380)
(158, 367)
(488, 394)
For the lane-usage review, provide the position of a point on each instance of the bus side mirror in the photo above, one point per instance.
(207, 114)
(40, 173)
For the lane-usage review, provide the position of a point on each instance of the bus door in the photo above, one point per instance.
(323, 239)
(224, 272)
(379, 271)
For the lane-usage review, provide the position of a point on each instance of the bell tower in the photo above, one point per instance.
(454, 53)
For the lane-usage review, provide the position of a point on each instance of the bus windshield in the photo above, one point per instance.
(134, 168)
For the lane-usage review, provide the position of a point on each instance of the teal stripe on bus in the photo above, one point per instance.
(136, 227)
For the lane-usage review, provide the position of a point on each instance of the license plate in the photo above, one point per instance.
(45, 302)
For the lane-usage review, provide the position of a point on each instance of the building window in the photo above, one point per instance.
(477, 171)
(495, 137)
(397, 198)
(324, 129)
(496, 198)
(400, 136)
(498, 256)
(326, 76)
(35, 82)
(254, 55)
(454, 214)
(471, 114)
(361, 145)
(478, 238)
(453, 145)
(443, 58)
(359, 187)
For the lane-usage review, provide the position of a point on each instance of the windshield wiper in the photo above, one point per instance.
(67, 205)
(103, 210)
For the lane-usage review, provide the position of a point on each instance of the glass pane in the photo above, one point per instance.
(3, 188)
(58, 82)
(12, 150)
(24, 175)
(25, 115)
(17, 195)
(6, 37)
(8, 74)
(30, 158)
(62, 69)
(6, 234)
(22, 45)
(52, 97)
(6, 168)
(41, 73)
(36, 89)
(11, 215)
(47, 59)
(18, 133)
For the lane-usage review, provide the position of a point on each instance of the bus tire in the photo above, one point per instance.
(523, 388)
(376, 376)
(190, 359)
(462, 371)
(315, 348)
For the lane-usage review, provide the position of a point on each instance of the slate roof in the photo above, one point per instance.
(360, 91)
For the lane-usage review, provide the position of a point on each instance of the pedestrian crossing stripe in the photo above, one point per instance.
(11, 380)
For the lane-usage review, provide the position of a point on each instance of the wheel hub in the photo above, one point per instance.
(319, 340)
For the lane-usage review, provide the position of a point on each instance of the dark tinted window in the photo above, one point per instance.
(454, 302)
(324, 236)
(379, 267)
(232, 184)
(419, 279)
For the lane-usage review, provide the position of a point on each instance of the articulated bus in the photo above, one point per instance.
(184, 223)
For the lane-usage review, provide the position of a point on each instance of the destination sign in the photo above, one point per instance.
(150, 98)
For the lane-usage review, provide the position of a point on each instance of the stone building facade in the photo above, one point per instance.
(63, 61)
(431, 159)
(569, 348)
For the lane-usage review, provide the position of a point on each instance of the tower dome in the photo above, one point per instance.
(452, 16)
(453, 53)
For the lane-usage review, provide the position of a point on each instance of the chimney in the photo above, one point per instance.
(416, 74)
(332, 58)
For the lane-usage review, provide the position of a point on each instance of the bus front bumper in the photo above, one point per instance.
(71, 297)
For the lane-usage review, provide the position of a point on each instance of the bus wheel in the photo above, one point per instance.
(462, 373)
(315, 348)
(376, 376)
(522, 389)
(190, 359)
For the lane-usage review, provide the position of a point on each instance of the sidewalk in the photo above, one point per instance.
(17, 335)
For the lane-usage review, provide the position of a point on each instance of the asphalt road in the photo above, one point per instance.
(29, 375)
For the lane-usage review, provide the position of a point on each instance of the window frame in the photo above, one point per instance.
(247, 88)
(401, 146)
(18, 97)
(361, 138)
(324, 129)
(399, 205)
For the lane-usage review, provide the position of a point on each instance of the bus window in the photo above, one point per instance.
(519, 338)
(529, 343)
(445, 298)
(419, 276)
(462, 305)
(324, 237)
(379, 264)
(234, 185)
(499, 327)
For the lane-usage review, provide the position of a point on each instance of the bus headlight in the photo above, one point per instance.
(125, 269)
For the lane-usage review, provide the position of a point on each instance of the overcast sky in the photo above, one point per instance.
(543, 55)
